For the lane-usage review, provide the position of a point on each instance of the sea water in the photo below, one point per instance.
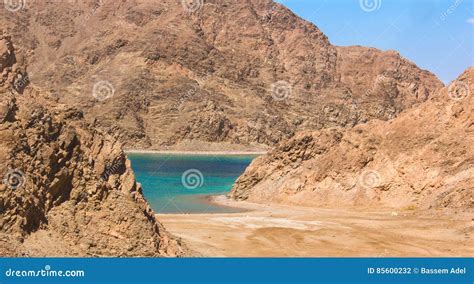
(184, 183)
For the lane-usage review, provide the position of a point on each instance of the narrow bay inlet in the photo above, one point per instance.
(185, 183)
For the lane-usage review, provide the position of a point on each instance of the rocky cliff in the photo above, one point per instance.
(422, 159)
(67, 188)
(217, 72)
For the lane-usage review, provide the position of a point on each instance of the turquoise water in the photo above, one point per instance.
(182, 183)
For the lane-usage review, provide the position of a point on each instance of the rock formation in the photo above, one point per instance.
(67, 189)
(422, 159)
(227, 73)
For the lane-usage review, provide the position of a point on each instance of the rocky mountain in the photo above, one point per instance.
(67, 188)
(422, 159)
(203, 74)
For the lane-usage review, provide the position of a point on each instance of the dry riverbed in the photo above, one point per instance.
(279, 230)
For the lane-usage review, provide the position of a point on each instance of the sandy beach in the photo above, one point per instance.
(279, 230)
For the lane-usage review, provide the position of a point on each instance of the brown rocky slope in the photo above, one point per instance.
(422, 159)
(68, 189)
(248, 73)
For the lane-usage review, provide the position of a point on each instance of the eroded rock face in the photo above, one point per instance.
(68, 189)
(422, 159)
(268, 73)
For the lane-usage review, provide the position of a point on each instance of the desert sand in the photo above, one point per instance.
(285, 231)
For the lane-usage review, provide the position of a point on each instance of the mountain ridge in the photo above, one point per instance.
(228, 75)
(420, 160)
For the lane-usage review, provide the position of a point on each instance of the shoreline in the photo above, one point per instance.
(224, 201)
(198, 153)
(219, 201)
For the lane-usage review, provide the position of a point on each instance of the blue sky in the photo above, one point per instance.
(437, 35)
